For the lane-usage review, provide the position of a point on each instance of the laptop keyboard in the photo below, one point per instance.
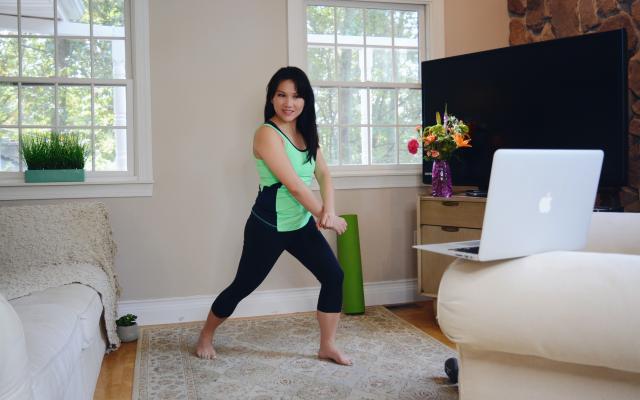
(472, 250)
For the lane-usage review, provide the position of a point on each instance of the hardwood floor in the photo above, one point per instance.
(116, 376)
(422, 316)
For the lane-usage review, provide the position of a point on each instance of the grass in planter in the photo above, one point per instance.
(54, 151)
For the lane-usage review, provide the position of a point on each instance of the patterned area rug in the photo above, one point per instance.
(274, 357)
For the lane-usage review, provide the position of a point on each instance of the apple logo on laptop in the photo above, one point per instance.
(545, 204)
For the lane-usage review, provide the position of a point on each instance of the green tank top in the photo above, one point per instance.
(275, 205)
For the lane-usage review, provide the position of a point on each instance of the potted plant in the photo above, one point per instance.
(127, 328)
(54, 158)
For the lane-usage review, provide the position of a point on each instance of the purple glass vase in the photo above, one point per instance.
(441, 179)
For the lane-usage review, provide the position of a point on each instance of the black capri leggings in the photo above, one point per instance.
(263, 244)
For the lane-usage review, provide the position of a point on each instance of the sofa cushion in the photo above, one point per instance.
(56, 326)
(15, 380)
(80, 300)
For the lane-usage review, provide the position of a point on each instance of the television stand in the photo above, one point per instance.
(475, 193)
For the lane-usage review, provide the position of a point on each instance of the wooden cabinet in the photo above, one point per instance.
(444, 220)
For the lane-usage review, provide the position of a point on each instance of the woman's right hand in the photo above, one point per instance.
(336, 224)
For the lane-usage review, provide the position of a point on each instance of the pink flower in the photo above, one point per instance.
(418, 128)
(435, 153)
(413, 146)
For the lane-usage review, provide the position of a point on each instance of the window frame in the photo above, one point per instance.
(370, 176)
(138, 180)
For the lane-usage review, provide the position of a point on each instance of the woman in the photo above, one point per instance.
(287, 157)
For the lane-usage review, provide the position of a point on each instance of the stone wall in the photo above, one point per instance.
(538, 20)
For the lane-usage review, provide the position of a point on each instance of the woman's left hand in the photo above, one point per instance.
(325, 219)
(331, 221)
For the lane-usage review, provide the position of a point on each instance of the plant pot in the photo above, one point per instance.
(53, 175)
(128, 333)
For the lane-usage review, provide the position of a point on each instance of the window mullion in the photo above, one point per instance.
(127, 46)
(56, 122)
(393, 47)
(364, 29)
(20, 141)
(365, 18)
(335, 41)
(55, 50)
(91, 42)
(397, 126)
(364, 85)
(20, 38)
(93, 129)
(92, 135)
(64, 81)
(394, 78)
(56, 73)
(369, 127)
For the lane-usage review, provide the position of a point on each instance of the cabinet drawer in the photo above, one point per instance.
(452, 213)
(433, 265)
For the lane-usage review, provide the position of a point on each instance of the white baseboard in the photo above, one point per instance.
(265, 302)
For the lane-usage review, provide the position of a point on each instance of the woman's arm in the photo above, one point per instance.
(270, 148)
(328, 219)
(324, 181)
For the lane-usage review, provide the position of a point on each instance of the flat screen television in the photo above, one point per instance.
(566, 93)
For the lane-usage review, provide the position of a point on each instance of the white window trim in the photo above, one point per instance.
(141, 183)
(366, 177)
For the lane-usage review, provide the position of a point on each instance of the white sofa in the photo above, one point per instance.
(57, 300)
(558, 325)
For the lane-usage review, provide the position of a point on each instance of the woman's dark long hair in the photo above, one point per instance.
(306, 122)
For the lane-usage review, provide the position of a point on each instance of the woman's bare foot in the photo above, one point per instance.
(205, 349)
(335, 355)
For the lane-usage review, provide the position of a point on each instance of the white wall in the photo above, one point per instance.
(210, 62)
(475, 25)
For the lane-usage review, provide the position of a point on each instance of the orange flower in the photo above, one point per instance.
(430, 139)
(461, 140)
(435, 153)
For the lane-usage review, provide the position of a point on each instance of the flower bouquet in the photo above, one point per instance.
(439, 142)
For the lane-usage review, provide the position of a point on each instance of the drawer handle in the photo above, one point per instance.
(451, 203)
(450, 228)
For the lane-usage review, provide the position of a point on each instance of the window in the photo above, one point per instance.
(67, 66)
(364, 65)
(363, 60)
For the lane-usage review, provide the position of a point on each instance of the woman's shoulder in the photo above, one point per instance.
(266, 134)
(266, 129)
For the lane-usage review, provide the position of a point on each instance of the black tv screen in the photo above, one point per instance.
(566, 93)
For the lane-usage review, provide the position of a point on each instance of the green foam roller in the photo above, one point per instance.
(349, 257)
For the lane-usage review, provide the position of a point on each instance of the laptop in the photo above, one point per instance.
(538, 201)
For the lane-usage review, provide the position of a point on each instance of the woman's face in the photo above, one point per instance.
(286, 102)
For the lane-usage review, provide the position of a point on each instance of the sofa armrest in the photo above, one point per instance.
(614, 233)
(15, 377)
(575, 307)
